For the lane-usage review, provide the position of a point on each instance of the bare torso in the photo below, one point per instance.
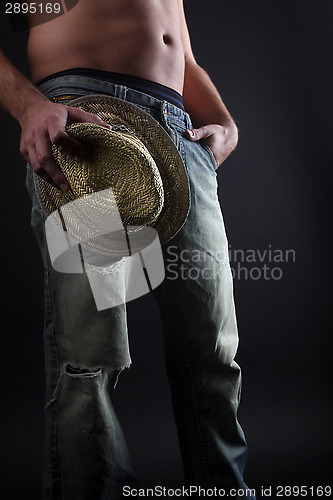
(136, 37)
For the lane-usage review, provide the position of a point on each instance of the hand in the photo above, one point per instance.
(47, 124)
(221, 139)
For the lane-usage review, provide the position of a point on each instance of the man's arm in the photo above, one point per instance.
(42, 122)
(204, 104)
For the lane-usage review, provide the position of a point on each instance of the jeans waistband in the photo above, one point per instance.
(149, 87)
(79, 85)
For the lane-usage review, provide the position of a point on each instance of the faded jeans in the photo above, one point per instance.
(86, 457)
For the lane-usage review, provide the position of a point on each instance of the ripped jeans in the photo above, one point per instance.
(86, 457)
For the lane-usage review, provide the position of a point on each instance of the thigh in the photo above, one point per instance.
(76, 332)
(198, 274)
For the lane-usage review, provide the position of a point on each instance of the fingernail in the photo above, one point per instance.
(190, 132)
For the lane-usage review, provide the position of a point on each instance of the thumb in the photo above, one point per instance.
(79, 115)
(195, 134)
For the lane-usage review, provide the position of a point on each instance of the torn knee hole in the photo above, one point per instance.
(73, 372)
(76, 371)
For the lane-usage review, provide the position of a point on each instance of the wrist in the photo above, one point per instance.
(30, 106)
(229, 131)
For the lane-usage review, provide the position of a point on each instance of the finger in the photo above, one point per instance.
(59, 136)
(32, 158)
(79, 115)
(68, 143)
(47, 167)
(196, 134)
(24, 153)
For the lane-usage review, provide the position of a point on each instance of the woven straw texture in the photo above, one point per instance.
(140, 163)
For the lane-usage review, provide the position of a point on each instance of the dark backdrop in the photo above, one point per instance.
(270, 61)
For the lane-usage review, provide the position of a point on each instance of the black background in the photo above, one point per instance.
(270, 61)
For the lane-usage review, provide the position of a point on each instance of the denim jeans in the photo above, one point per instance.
(86, 457)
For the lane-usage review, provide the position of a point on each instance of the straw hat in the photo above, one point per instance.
(136, 158)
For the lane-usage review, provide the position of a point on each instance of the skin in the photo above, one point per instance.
(144, 38)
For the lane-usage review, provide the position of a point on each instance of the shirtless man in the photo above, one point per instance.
(120, 45)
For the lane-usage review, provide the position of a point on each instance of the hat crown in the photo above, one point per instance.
(114, 159)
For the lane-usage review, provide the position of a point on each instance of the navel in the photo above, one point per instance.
(167, 39)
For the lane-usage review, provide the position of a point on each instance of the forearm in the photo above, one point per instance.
(201, 98)
(17, 94)
(213, 122)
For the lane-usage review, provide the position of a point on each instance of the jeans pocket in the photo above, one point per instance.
(177, 135)
(211, 155)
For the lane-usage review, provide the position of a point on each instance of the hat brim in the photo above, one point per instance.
(162, 149)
